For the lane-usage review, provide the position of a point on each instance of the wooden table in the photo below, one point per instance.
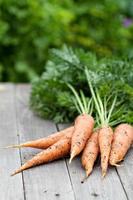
(57, 180)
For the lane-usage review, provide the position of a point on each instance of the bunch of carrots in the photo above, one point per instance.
(88, 136)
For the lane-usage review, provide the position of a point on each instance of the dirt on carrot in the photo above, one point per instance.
(83, 128)
(104, 113)
(105, 141)
(58, 150)
(90, 153)
(45, 142)
(122, 140)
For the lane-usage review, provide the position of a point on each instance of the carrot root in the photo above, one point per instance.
(105, 141)
(116, 165)
(70, 160)
(58, 150)
(122, 140)
(104, 173)
(45, 142)
(18, 171)
(14, 146)
(82, 131)
(73, 154)
(88, 171)
(90, 153)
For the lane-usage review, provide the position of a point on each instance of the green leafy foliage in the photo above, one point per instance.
(29, 28)
(51, 98)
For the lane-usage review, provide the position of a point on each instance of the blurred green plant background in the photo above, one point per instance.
(29, 28)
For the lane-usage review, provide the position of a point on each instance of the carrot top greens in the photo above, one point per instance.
(51, 98)
(82, 104)
(104, 113)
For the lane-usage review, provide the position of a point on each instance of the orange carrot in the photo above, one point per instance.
(90, 153)
(105, 133)
(83, 128)
(105, 141)
(123, 138)
(45, 142)
(58, 150)
(84, 123)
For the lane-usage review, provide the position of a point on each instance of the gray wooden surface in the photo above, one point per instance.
(56, 180)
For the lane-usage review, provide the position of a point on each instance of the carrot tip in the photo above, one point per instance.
(14, 173)
(116, 165)
(84, 179)
(88, 172)
(103, 174)
(12, 146)
(71, 158)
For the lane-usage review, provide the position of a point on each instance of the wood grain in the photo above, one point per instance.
(49, 181)
(56, 180)
(125, 172)
(10, 187)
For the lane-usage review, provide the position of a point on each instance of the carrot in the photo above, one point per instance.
(105, 141)
(105, 133)
(45, 142)
(83, 128)
(83, 125)
(123, 138)
(58, 150)
(90, 153)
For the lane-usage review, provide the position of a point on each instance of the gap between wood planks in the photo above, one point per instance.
(18, 137)
(58, 129)
(23, 108)
(121, 183)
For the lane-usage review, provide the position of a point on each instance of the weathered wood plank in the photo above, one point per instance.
(50, 181)
(125, 172)
(10, 187)
(95, 187)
